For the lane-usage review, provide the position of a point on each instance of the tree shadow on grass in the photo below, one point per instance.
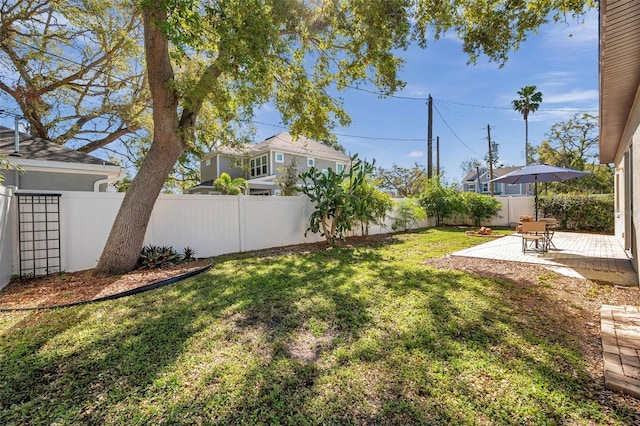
(337, 336)
(89, 364)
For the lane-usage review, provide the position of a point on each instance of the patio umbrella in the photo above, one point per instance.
(535, 173)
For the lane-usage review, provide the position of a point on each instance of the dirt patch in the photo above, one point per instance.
(81, 286)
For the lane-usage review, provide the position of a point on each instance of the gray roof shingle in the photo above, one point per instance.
(34, 148)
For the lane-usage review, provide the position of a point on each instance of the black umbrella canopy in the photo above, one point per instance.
(535, 173)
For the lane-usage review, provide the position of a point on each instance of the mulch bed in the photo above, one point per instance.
(82, 286)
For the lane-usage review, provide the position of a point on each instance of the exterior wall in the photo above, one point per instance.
(301, 163)
(627, 185)
(209, 169)
(500, 189)
(517, 189)
(633, 211)
(229, 165)
(217, 165)
(44, 181)
(6, 236)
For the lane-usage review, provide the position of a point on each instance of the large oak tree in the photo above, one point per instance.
(243, 53)
(74, 69)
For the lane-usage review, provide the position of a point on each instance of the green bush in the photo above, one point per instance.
(439, 201)
(408, 215)
(480, 207)
(580, 212)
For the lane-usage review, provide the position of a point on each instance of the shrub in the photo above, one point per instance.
(156, 257)
(580, 212)
(408, 214)
(439, 201)
(335, 198)
(188, 254)
(480, 207)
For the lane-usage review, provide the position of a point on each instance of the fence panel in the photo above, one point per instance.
(86, 219)
(6, 236)
(512, 209)
(209, 224)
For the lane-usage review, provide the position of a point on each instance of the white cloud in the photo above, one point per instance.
(416, 154)
(573, 96)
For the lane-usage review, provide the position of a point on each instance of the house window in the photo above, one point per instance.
(325, 172)
(485, 187)
(208, 162)
(279, 157)
(471, 187)
(258, 166)
(339, 167)
(310, 162)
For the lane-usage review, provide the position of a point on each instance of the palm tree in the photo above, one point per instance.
(229, 186)
(528, 103)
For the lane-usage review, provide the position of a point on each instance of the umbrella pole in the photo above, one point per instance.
(535, 192)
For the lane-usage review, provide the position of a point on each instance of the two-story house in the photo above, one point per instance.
(261, 164)
(481, 184)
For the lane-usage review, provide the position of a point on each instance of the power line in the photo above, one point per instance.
(412, 98)
(451, 130)
(352, 136)
(377, 93)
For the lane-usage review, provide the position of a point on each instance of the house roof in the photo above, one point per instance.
(284, 142)
(497, 172)
(34, 148)
(619, 72)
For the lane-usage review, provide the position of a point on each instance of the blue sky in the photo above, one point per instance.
(561, 60)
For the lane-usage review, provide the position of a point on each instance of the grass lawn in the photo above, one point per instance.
(362, 334)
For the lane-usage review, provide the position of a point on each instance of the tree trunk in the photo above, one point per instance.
(121, 252)
(125, 241)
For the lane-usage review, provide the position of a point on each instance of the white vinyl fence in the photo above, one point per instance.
(512, 209)
(6, 236)
(209, 224)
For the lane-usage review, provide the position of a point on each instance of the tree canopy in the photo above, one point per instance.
(75, 69)
(243, 53)
(402, 181)
(573, 144)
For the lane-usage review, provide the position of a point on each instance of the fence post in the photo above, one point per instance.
(242, 222)
(6, 236)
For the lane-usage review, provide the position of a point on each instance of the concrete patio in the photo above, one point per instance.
(595, 257)
(592, 256)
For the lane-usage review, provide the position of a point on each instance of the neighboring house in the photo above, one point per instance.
(259, 164)
(47, 166)
(470, 182)
(620, 112)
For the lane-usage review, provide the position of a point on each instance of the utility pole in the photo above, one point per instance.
(438, 155)
(490, 160)
(429, 136)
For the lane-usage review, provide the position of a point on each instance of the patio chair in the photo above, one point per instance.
(552, 224)
(534, 236)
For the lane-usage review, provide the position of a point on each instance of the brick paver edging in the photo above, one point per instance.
(620, 331)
